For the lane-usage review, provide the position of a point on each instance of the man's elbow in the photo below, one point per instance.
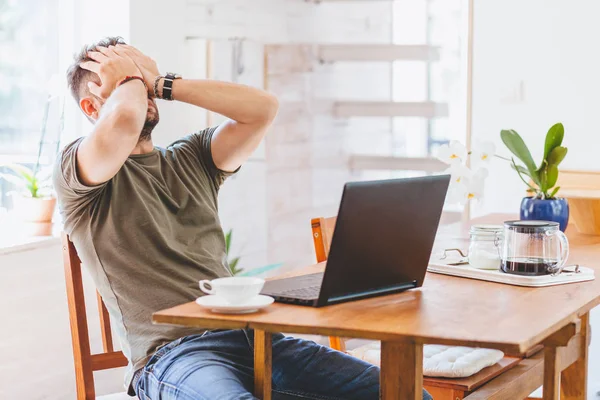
(270, 108)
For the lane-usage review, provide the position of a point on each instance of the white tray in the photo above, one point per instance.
(496, 275)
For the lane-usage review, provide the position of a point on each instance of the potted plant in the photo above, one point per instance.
(543, 203)
(33, 202)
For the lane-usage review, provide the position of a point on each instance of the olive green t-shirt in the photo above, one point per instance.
(147, 236)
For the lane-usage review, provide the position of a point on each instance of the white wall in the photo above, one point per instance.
(550, 49)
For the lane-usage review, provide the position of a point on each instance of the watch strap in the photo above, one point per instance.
(167, 90)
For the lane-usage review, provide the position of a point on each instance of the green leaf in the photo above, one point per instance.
(21, 171)
(233, 266)
(543, 180)
(520, 169)
(517, 146)
(556, 189)
(228, 241)
(551, 176)
(554, 138)
(557, 155)
(515, 167)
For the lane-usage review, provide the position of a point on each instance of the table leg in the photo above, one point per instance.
(263, 348)
(401, 371)
(551, 373)
(573, 383)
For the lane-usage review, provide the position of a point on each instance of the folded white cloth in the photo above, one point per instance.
(441, 361)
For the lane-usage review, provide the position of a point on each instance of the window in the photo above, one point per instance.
(440, 24)
(28, 71)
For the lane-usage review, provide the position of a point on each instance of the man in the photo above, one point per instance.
(144, 221)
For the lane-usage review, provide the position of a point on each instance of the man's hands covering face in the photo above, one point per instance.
(146, 65)
(114, 63)
(112, 66)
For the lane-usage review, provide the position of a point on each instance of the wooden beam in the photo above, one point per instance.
(426, 164)
(114, 359)
(263, 348)
(401, 371)
(377, 52)
(425, 109)
(551, 373)
(563, 336)
(516, 383)
(107, 341)
(574, 378)
(84, 378)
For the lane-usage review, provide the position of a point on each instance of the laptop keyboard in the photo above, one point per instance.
(302, 293)
(305, 287)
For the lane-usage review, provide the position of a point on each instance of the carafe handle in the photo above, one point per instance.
(564, 254)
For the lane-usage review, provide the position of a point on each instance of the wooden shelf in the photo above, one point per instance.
(343, 1)
(377, 52)
(384, 163)
(346, 109)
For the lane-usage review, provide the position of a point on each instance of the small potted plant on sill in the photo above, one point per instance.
(543, 203)
(33, 201)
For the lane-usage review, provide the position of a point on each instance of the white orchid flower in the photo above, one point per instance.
(457, 194)
(476, 185)
(452, 153)
(459, 174)
(483, 153)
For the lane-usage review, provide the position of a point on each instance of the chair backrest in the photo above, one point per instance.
(322, 230)
(86, 362)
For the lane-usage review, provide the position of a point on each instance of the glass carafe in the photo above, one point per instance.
(533, 248)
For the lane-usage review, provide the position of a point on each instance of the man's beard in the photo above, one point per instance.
(151, 122)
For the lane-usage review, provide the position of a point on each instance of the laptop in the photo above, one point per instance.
(381, 244)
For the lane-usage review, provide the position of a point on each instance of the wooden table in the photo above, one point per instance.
(446, 310)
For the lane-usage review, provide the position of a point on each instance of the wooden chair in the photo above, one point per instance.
(86, 362)
(492, 382)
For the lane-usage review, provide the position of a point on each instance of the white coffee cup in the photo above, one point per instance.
(234, 289)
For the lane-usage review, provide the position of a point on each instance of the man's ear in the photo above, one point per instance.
(89, 107)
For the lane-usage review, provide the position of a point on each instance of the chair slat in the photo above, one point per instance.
(107, 341)
(84, 377)
(110, 360)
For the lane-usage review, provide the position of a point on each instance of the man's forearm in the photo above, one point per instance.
(102, 153)
(243, 104)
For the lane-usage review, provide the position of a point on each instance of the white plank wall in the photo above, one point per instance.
(304, 164)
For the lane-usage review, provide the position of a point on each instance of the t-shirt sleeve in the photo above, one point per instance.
(201, 143)
(72, 193)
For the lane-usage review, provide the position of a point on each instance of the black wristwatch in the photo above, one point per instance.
(167, 90)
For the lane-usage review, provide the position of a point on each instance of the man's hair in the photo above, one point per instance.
(77, 77)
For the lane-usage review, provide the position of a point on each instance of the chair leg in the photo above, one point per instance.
(337, 343)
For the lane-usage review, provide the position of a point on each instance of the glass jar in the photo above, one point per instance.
(484, 246)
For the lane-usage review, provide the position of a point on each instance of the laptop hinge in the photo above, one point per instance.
(372, 293)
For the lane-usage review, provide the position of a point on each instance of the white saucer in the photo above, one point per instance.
(216, 304)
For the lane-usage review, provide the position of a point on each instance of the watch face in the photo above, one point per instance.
(174, 75)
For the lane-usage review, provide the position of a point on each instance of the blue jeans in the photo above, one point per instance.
(219, 365)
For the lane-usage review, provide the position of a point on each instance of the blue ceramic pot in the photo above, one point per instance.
(556, 210)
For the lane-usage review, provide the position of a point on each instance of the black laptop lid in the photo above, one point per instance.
(383, 236)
